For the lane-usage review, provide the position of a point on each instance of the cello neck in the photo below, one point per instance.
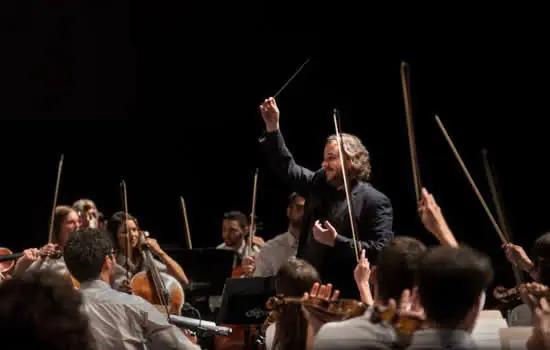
(153, 272)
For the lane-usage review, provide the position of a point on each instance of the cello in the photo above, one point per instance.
(159, 289)
(156, 287)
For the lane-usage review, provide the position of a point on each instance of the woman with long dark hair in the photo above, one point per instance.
(119, 233)
(65, 221)
(290, 330)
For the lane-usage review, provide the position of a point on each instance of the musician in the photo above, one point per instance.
(394, 272)
(116, 229)
(451, 283)
(117, 320)
(42, 310)
(326, 238)
(65, 221)
(290, 331)
(88, 213)
(279, 249)
(235, 229)
(538, 269)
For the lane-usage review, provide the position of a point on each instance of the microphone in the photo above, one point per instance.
(193, 323)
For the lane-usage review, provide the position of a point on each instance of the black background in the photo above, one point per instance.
(167, 98)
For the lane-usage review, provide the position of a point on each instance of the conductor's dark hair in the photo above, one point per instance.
(42, 310)
(85, 253)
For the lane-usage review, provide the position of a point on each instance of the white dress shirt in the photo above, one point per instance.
(216, 301)
(123, 321)
(274, 254)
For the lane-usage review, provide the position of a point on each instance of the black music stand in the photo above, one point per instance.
(206, 268)
(244, 300)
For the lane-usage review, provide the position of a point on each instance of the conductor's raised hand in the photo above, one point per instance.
(270, 114)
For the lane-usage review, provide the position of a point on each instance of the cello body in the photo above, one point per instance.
(161, 290)
(143, 286)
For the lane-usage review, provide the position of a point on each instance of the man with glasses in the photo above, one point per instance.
(117, 320)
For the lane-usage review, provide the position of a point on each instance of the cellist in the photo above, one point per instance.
(115, 227)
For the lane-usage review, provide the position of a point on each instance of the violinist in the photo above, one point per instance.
(88, 213)
(290, 329)
(278, 250)
(234, 231)
(451, 282)
(538, 269)
(394, 272)
(327, 232)
(116, 227)
(65, 221)
(117, 320)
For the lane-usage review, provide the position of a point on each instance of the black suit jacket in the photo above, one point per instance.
(372, 212)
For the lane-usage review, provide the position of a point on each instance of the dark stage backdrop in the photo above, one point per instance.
(170, 104)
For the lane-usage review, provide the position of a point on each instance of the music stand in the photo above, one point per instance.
(244, 300)
(206, 268)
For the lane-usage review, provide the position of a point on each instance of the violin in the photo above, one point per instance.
(405, 325)
(513, 295)
(325, 310)
(506, 295)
